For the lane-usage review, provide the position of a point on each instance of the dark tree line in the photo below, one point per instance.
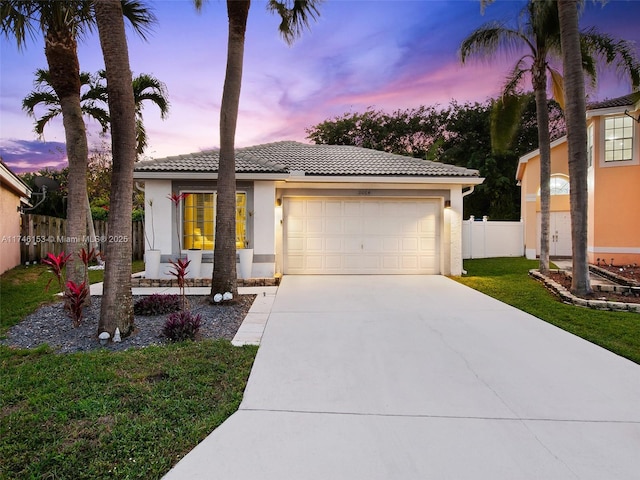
(458, 135)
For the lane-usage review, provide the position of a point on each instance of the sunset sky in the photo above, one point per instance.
(369, 53)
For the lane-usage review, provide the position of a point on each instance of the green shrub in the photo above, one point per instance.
(157, 304)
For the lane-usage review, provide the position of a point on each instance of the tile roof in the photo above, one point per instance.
(624, 101)
(326, 160)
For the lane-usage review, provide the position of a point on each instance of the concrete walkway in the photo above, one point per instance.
(419, 377)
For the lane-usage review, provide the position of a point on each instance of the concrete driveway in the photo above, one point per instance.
(419, 377)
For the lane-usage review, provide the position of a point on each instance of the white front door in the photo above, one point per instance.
(559, 234)
(361, 236)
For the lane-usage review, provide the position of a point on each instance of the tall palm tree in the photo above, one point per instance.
(541, 34)
(62, 23)
(117, 304)
(575, 114)
(296, 16)
(94, 101)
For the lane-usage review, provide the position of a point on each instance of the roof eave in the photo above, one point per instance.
(190, 175)
(459, 180)
(13, 182)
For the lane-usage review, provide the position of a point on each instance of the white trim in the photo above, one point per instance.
(602, 162)
(635, 250)
(522, 161)
(13, 181)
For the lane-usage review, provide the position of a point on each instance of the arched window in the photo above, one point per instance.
(558, 185)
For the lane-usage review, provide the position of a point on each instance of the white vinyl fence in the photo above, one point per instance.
(485, 239)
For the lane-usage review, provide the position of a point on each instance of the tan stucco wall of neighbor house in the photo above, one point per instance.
(615, 196)
(11, 192)
(529, 177)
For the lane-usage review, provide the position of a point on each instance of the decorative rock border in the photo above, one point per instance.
(567, 297)
(202, 282)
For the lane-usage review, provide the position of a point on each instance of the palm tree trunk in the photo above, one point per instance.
(544, 144)
(62, 58)
(117, 303)
(224, 257)
(575, 114)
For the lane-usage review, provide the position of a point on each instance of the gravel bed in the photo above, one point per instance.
(51, 325)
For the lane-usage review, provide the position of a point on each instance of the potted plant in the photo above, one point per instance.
(151, 255)
(246, 260)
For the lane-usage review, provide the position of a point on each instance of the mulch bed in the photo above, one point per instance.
(565, 280)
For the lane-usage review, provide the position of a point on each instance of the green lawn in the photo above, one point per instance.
(115, 415)
(507, 280)
(134, 414)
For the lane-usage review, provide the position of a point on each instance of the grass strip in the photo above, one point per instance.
(507, 280)
(129, 414)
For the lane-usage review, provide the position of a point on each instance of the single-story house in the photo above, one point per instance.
(13, 193)
(315, 209)
(613, 147)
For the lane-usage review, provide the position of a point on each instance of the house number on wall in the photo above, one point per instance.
(364, 192)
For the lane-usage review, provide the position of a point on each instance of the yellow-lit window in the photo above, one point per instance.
(199, 219)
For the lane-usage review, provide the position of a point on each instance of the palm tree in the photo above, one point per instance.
(117, 304)
(45, 96)
(295, 16)
(541, 34)
(94, 101)
(575, 114)
(61, 24)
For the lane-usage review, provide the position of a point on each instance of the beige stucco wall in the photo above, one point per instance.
(9, 228)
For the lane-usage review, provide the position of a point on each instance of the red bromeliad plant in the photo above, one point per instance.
(180, 269)
(176, 198)
(74, 297)
(87, 257)
(57, 263)
(75, 294)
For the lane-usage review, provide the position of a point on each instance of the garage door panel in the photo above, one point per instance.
(390, 244)
(361, 235)
(410, 244)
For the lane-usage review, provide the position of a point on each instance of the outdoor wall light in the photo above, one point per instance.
(447, 204)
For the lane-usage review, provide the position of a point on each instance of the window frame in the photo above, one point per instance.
(188, 244)
(605, 142)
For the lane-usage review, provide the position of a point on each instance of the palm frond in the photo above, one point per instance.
(17, 21)
(505, 120)
(514, 78)
(557, 86)
(140, 16)
(612, 51)
(489, 38)
(148, 88)
(295, 15)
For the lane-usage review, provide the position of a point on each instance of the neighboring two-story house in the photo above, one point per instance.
(613, 136)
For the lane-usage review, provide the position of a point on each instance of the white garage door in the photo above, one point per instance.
(361, 236)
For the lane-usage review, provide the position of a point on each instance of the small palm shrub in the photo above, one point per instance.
(182, 326)
(157, 304)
